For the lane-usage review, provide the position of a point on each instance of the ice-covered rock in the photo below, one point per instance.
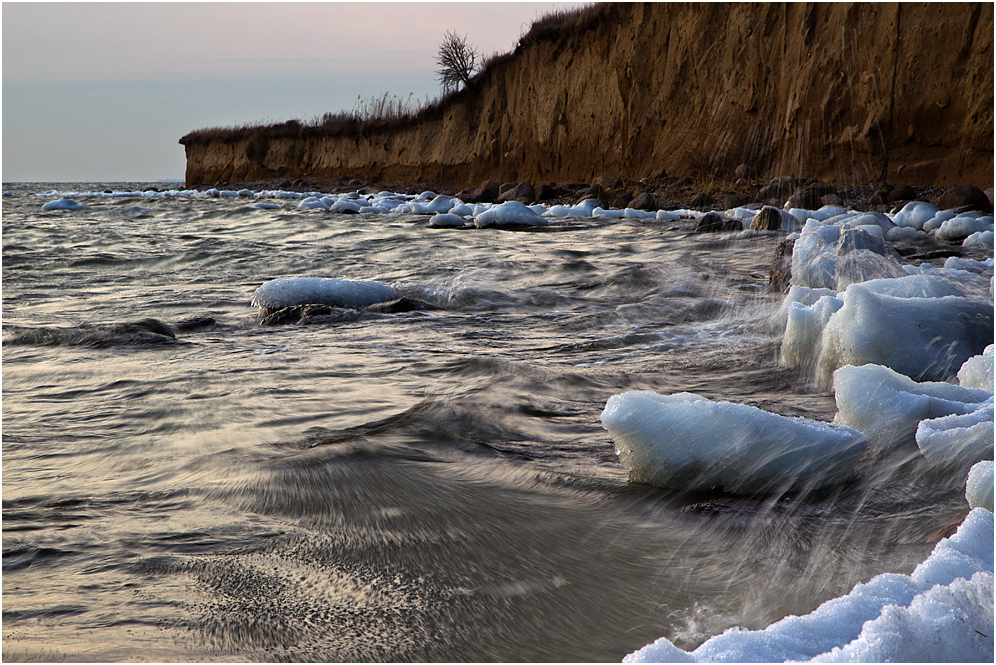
(510, 213)
(914, 214)
(942, 612)
(979, 486)
(977, 371)
(446, 220)
(804, 331)
(833, 256)
(687, 442)
(265, 205)
(957, 441)
(979, 239)
(567, 211)
(291, 291)
(903, 233)
(923, 338)
(345, 205)
(886, 406)
(964, 225)
(62, 204)
(969, 265)
(313, 203)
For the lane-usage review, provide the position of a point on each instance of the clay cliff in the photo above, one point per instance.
(831, 91)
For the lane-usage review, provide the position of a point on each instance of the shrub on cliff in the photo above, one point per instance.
(457, 61)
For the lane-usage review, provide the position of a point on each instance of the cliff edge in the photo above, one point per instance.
(836, 91)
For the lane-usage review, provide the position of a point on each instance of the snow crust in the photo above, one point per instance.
(510, 213)
(957, 440)
(687, 442)
(943, 611)
(979, 486)
(62, 204)
(291, 291)
(977, 372)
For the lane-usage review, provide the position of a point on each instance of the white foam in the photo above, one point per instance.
(979, 486)
(687, 442)
(886, 406)
(942, 612)
(291, 291)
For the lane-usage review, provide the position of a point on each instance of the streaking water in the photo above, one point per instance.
(426, 486)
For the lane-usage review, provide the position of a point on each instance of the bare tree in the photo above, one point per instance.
(456, 61)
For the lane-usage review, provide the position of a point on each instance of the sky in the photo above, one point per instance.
(103, 91)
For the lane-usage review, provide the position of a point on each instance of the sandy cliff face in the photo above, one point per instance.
(799, 89)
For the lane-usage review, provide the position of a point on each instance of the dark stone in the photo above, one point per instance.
(107, 191)
(714, 222)
(546, 193)
(733, 201)
(780, 276)
(623, 201)
(596, 191)
(194, 323)
(487, 192)
(989, 195)
(964, 196)
(506, 187)
(644, 201)
(902, 193)
(604, 183)
(466, 195)
(403, 304)
(523, 192)
(821, 188)
(357, 183)
(299, 183)
(683, 182)
(284, 184)
(807, 198)
(766, 219)
(154, 326)
(744, 171)
(775, 190)
(880, 197)
(700, 200)
(831, 200)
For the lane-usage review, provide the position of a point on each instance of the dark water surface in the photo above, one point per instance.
(426, 486)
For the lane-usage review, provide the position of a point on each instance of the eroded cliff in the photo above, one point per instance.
(819, 90)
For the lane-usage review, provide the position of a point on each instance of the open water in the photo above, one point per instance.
(423, 486)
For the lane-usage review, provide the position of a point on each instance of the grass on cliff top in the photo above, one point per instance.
(390, 112)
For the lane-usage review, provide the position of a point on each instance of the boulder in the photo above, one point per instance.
(964, 196)
(700, 200)
(604, 183)
(487, 192)
(807, 198)
(466, 195)
(880, 197)
(546, 193)
(596, 191)
(714, 222)
(766, 219)
(644, 201)
(682, 182)
(780, 276)
(902, 193)
(522, 192)
(733, 201)
(623, 201)
(744, 171)
(831, 200)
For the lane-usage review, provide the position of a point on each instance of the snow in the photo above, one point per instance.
(62, 204)
(979, 486)
(290, 291)
(914, 214)
(510, 213)
(962, 226)
(886, 406)
(957, 440)
(943, 611)
(979, 239)
(970, 265)
(687, 442)
(923, 338)
(977, 372)
(446, 220)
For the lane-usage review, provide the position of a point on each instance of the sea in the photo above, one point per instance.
(419, 486)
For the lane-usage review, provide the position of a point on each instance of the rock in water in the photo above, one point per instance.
(290, 291)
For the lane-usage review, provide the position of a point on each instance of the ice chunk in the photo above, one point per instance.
(942, 612)
(568, 211)
(798, 294)
(886, 406)
(979, 239)
(62, 204)
(313, 203)
(977, 372)
(446, 220)
(971, 265)
(902, 233)
(687, 442)
(510, 213)
(914, 214)
(667, 216)
(979, 486)
(923, 338)
(957, 441)
(263, 205)
(962, 226)
(290, 291)
(804, 331)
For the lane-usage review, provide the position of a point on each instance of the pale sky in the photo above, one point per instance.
(103, 91)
